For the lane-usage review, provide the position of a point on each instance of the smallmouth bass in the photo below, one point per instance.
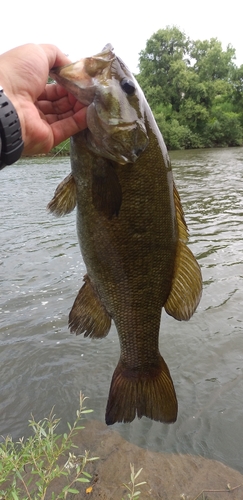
(132, 234)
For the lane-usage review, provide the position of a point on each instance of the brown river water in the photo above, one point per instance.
(41, 269)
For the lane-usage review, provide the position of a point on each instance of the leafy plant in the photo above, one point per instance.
(29, 467)
(132, 486)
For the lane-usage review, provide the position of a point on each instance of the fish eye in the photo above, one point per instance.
(128, 86)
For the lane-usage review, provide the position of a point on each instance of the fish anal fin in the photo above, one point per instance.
(64, 199)
(186, 287)
(106, 189)
(146, 392)
(88, 315)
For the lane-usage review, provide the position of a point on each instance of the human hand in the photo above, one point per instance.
(48, 114)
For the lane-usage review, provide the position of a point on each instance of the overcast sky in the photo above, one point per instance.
(82, 28)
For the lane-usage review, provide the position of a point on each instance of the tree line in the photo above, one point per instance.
(194, 89)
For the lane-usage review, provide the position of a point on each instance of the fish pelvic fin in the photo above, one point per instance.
(88, 315)
(148, 392)
(186, 287)
(64, 199)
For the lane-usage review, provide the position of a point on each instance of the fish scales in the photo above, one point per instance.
(132, 234)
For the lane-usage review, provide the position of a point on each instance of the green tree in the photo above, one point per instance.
(162, 59)
(237, 91)
(194, 89)
(211, 61)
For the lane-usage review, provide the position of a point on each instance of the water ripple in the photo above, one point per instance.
(41, 270)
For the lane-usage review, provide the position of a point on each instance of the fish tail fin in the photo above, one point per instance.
(147, 392)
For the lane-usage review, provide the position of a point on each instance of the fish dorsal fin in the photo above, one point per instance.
(186, 287)
(182, 226)
(64, 199)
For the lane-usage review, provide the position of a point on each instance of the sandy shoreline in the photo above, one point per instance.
(167, 476)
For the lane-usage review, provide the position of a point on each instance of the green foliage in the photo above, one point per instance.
(176, 136)
(37, 468)
(29, 467)
(62, 149)
(160, 63)
(211, 62)
(224, 128)
(134, 493)
(237, 91)
(194, 89)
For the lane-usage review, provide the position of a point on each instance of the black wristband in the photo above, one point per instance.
(10, 132)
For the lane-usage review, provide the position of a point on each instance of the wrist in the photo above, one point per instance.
(10, 132)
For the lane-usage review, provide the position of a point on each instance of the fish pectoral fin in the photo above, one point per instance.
(146, 392)
(88, 314)
(106, 188)
(186, 287)
(64, 199)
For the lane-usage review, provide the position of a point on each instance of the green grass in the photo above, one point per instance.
(132, 486)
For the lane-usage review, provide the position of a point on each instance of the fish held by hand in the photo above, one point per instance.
(132, 234)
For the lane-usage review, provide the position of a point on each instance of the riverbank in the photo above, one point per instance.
(165, 476)
(168, 476)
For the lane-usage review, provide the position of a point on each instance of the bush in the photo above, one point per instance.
(225, 129)
(177, 136)
(29, 467)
